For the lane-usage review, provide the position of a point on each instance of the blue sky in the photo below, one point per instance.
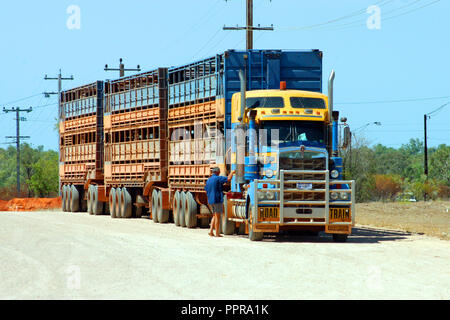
(406, 59)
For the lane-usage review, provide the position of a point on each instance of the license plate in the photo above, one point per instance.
(340, 215)
(269, 214)
(304, 186)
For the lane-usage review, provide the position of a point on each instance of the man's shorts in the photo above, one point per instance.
(217, 207)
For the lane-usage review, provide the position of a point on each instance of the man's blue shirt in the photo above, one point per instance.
(214, 188)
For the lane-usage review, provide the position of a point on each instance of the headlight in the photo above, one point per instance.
(261, 196)
(269, 173)
(334, 195)
(334, 174)
(343, 195)
(270, 195)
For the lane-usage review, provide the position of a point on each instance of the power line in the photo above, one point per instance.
(362, 22)
(349, 15)
(21, 99)
(395, 101)
(437, 110)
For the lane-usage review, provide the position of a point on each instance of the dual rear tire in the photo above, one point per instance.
(159, 214)
(120, 203)
(94, 206)
(70, 198)
(185, 210)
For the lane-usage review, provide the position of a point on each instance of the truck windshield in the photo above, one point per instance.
(275, 132)
(310, 103)
(265, 102)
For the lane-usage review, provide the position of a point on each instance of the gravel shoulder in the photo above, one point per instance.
(55, 255)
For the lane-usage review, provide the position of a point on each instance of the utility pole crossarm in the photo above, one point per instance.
(249, 27)
(122, 69)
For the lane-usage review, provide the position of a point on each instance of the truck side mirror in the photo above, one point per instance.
(347, 138)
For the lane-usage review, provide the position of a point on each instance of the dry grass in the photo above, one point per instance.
(430, 218)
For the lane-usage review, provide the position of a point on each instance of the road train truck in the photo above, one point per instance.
(147, 143)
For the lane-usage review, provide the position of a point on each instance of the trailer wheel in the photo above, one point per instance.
(241, 229)
(182, 209)
(340, 237)
(118, 202)
(228, 227)
(63, 198)
(125, 204)
(83, 203)
(112, 203)
(163, 214)
(97, 206)
(139, 209)
(176, 208)
(89, 200)
(190, 211)
(67, 200)
(155, 206)
(74, 199)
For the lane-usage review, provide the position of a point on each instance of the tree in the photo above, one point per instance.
(387, 186)
(440, 164)
(44, 181)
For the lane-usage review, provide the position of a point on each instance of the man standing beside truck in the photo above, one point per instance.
(214, 192)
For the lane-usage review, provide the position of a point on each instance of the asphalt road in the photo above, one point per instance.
(55, 255)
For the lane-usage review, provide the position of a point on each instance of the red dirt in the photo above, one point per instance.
(31, 204)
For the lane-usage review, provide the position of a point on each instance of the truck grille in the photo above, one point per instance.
(314, 164)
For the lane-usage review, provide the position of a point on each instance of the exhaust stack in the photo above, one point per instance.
(240, 135)
(334, 115)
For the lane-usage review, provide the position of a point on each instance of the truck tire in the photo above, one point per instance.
(83, 203)
(155, 206)
(74, 199)
(89, 199)
(254, 236)
(118, 202)
(241, 229)
(182, 211)
(340, 237)
(190, 211)
(228, 227)
(67, 200)
(125, 204)
(112, 203)
(163, 214)
(97, 206)
(176, 208)
(139, 209)
(63, 198)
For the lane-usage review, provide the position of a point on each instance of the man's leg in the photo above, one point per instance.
(213, 220)
(217, 216)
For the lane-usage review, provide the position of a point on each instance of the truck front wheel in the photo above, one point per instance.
(228, 227)
(340, 237)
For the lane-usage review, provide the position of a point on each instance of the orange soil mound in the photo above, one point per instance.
(31, 204)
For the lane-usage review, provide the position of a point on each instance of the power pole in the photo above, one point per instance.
(122, 69)
(18, 137)
(60, 80)
(425, 117)
(60, 113)
(249, 28)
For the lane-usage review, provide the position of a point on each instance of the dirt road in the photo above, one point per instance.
(54, 255)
